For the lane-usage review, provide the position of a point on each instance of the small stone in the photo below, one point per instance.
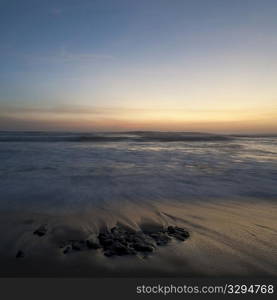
(178, 233)
(141, 238)
(160, 238)
(41, 231)
(92, 244)
(78, 245)
(118, 231)
(64, 244)
(143, 247)
(121, 249)
(20, 254)
(105, 239)
(67, 249)
(109, 253)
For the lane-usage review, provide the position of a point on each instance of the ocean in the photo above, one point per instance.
(42, 171)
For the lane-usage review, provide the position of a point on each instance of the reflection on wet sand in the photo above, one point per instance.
(226, 238)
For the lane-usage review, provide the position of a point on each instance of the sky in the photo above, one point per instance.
(170, 65)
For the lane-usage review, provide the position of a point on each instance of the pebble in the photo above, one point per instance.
(41, 231)
(20, 254)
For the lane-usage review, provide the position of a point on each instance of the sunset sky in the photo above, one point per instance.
(190, 65)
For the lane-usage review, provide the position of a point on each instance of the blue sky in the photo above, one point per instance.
(155, 64)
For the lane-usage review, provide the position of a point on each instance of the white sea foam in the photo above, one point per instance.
(138, 166)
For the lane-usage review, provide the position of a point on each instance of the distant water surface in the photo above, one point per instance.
(63, 172)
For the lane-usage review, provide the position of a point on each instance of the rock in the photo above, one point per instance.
(124, 241)
(114, 242)
(105, 239)
(143, 247)
(109, 253)
(73, 245)
(41, 231)
(121, 241)
(119, 249)
(78, 245)
(161, 238)
(140, 236)
(67, 249)
(20, 254)
(143, 243)
(64, 244)
(92, 244)
(118, 231)
(178, 233)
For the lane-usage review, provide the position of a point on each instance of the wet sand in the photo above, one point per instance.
(227, 238)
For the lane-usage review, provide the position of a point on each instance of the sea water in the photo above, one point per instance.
(63, 172)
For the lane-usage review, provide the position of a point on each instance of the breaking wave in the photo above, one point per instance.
(137, 136)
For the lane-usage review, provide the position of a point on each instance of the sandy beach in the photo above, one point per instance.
(227, 238)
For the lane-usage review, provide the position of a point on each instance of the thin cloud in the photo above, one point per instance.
(98, 110)
(64, 56)
(84, 56)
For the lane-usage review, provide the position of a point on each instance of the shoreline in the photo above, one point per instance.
(227, 238)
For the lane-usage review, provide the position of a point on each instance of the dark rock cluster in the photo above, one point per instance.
(120, 240)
